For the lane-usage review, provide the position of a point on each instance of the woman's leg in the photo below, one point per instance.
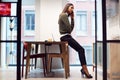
(76, 46)
(81, 52)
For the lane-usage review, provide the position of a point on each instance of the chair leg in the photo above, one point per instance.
(68, 68)
(27, 67)
(94, 67)
(65, 68)
(44, 66)
(35, 62)
(62, 62)
(49, 64)
(22, 67)
(23, 62)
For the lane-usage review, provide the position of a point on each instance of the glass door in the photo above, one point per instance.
(108, 40)
(113, 39)
(10, 31)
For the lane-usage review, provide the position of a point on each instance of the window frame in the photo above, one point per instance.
(28, 32)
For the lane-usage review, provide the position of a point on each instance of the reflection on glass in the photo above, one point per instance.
(113, 28)
(8, 54)
(113, 61)
(112, 7)
(99, 20)
(11, 53)
(9, 28)
(9, 0)
(12, 26)
(99, 61)
(99, 52)
(113, 25)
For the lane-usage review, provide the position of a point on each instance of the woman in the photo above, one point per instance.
(66, 25)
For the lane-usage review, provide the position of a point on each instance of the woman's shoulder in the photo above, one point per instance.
(63, 15)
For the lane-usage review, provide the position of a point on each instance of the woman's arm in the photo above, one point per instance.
(68, 27)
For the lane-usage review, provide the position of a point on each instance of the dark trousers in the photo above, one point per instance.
(76, 46)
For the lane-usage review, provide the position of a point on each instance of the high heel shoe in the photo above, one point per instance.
(84, 73)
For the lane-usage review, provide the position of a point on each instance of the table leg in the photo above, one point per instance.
(48, 73)
(27, 59)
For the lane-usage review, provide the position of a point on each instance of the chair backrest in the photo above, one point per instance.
(24, 49)
(25, 46)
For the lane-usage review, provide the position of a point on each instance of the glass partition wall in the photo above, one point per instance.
(10, 34)
(113, 39)
(108, 40)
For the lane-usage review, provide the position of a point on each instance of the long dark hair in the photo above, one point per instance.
(66, 7)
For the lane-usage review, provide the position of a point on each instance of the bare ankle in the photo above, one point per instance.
(84, 67)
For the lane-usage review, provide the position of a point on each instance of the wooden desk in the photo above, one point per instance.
(45, 43)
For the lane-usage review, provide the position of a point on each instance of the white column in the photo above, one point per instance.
(37, 20)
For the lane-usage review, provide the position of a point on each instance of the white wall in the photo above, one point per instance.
(47, 14)
(46, 23)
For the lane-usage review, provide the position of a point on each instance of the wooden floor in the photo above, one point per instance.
(9, 73)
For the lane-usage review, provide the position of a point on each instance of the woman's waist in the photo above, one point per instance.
(65, 34)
